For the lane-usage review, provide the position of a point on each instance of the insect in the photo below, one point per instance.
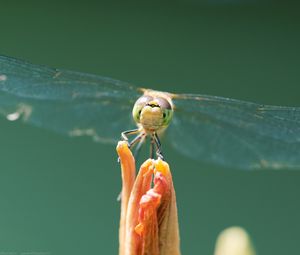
(223, 131)
(152, 113)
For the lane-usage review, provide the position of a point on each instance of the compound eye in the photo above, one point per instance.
(163, 103)
(143, 100)
(167, 116)
(166, 108)
(139, 105)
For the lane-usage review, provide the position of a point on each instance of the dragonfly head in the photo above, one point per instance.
(153, 113)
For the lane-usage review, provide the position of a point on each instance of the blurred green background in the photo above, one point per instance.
(58, 195)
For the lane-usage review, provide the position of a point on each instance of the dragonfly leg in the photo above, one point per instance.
(137, 139)
(152, 147)
(139, 145)
(125, 134)
(158, 146)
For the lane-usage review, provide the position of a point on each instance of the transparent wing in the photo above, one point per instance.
(235, 133)
(68, 102)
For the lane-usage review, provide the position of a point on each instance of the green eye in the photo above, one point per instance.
(138, 106)
(167, 116)
(136, 112)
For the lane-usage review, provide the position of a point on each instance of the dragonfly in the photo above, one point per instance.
(223, 131)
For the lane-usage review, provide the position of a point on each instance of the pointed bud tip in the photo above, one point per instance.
(122, 147)
(162, 167)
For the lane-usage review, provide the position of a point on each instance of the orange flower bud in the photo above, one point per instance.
(149, 222)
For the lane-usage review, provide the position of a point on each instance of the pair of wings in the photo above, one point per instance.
(219, 130)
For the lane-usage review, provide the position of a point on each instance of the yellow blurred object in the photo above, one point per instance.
(234, 241)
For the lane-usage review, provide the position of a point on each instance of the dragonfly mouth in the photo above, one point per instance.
(153, 105)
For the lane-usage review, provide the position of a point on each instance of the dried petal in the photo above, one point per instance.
(168, 228)
(128, 176)
(141, 185)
